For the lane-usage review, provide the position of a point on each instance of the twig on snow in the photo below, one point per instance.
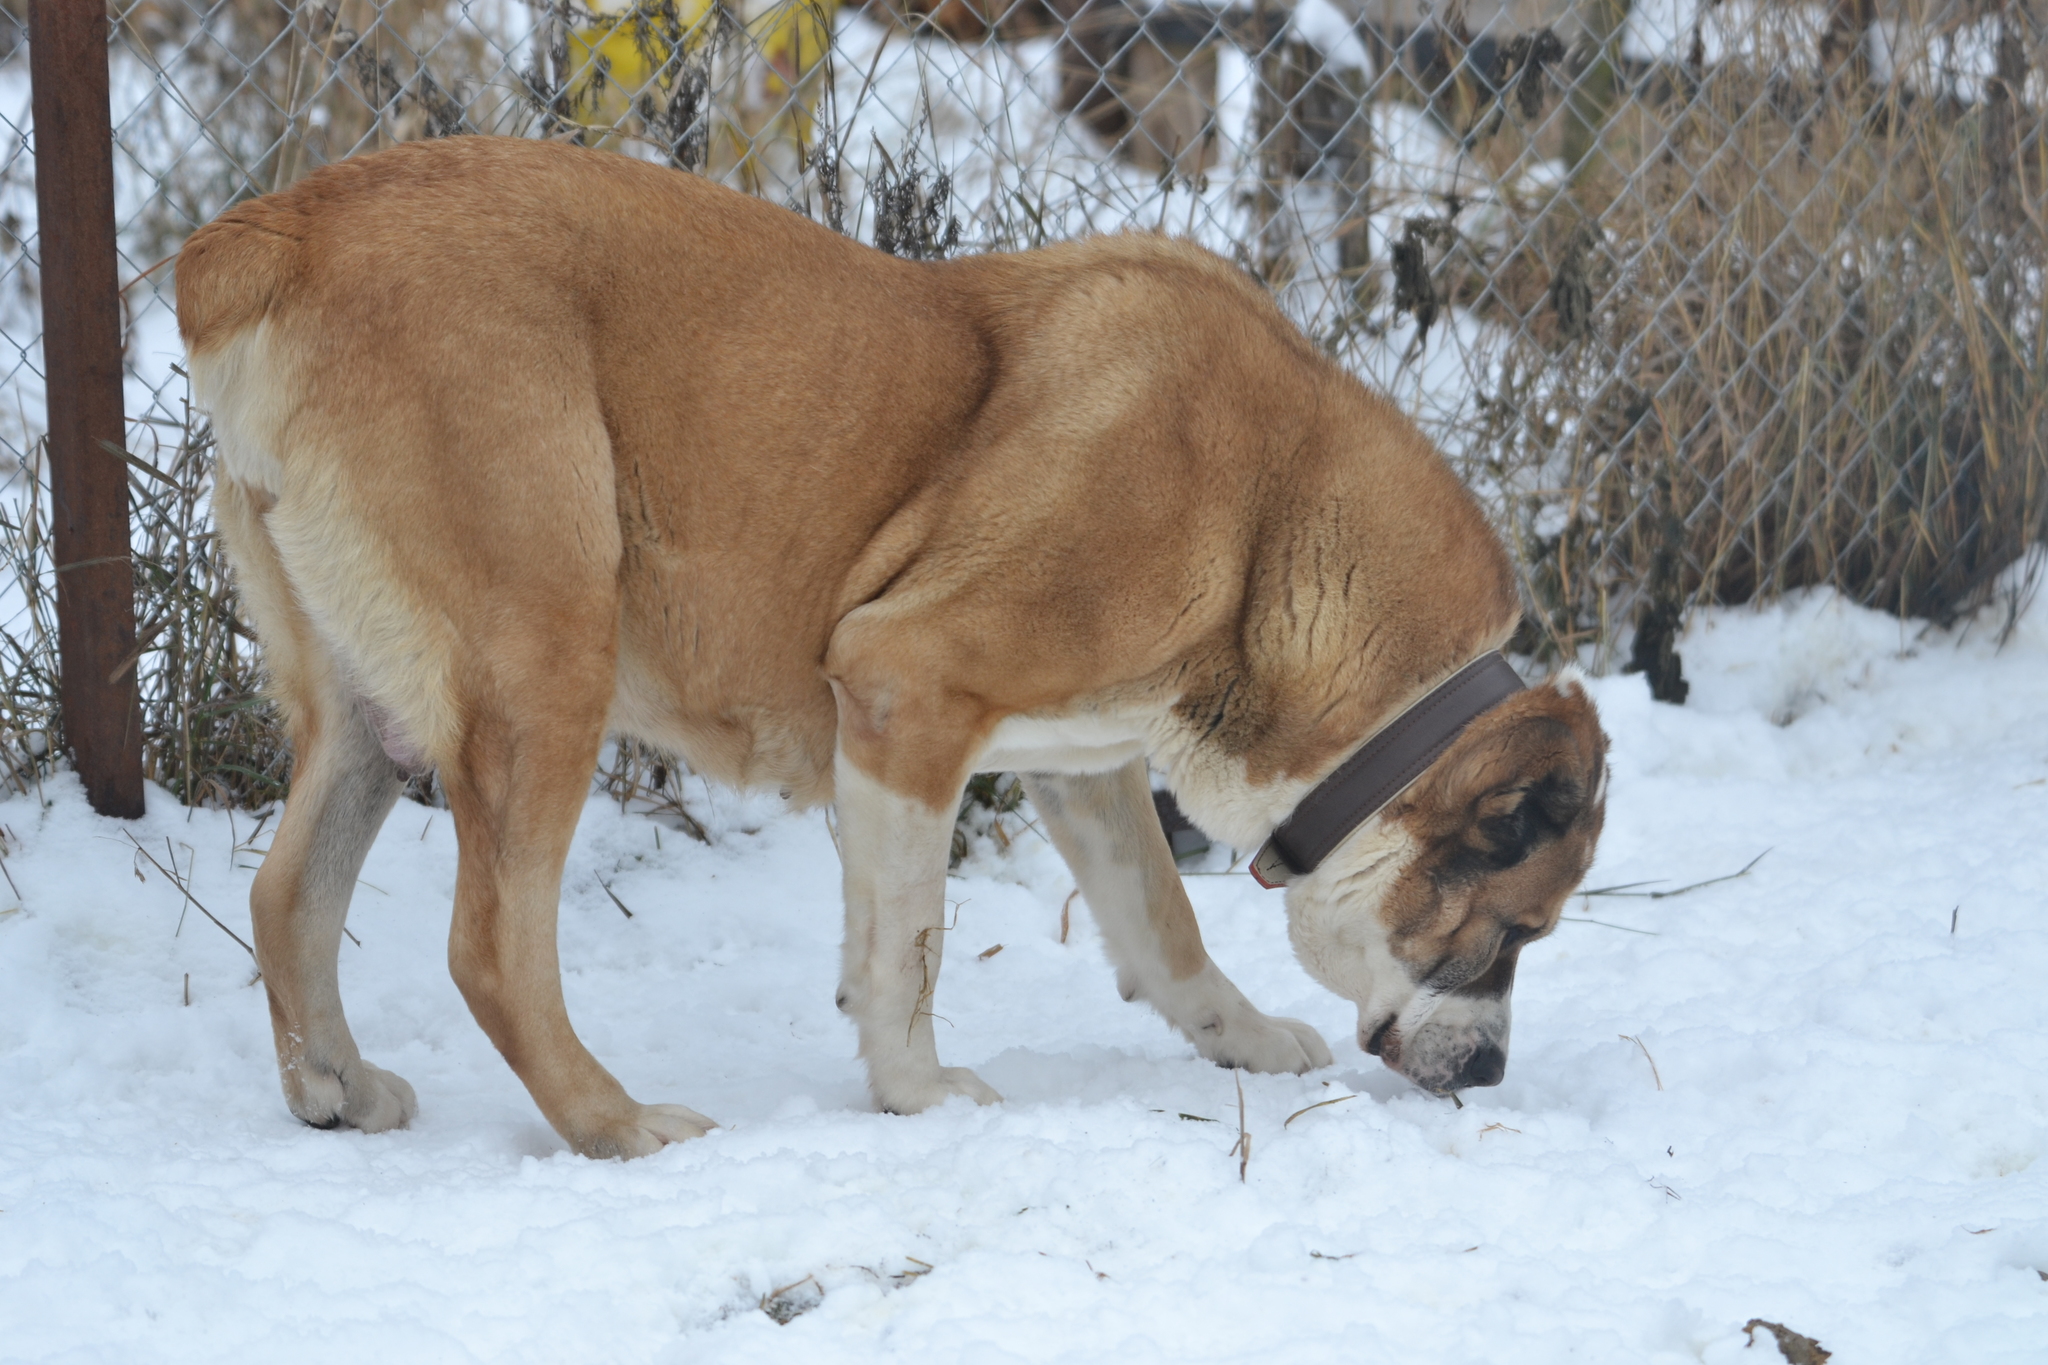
(1319, 1104)
(1604, 924)
(1633, 1038)
(627, 913)
(186, 892)
(1628, 889)
(1242, 1149)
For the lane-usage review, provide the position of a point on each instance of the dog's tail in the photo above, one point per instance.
(234, 271)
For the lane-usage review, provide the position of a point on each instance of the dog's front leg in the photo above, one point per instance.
(893, 848)
(1106, 827)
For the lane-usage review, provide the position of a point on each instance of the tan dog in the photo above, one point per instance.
(523, 444)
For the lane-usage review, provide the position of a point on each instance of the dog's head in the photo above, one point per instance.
(1419, 915)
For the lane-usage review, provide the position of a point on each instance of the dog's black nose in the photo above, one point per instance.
(1484, 1067)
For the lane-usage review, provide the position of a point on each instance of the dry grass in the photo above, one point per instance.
(210, 737)
(1791, 334)
(643, 778)
(988, 799)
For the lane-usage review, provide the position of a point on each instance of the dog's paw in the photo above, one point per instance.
(914, 1097)
(1260, 1042)
(642, 1130)
(357, 1095)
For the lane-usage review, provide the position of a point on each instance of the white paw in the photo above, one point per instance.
(360, 1096)
(902, 1095)
(641, 1131)
(1260, 1042)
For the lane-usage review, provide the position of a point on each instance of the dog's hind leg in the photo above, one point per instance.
(516, 783)
(343, 785)
(1107, 829)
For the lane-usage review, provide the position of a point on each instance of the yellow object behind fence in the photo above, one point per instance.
(759, 58)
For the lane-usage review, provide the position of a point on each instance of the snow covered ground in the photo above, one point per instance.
(1847, 1137)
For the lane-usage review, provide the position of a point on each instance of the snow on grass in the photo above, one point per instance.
(1847, 1140)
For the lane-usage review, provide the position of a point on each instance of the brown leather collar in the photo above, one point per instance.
(1382, 769)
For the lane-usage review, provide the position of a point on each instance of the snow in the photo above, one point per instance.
(1324, 27)
(1729, 30)
(1854, 1097)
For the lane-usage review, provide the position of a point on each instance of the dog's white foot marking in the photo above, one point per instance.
(1265, 1042)
(358, 1095)
(643, 1129)
(1230, 1031)
(906, 1096)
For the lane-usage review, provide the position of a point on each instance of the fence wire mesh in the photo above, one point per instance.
(1709, 299)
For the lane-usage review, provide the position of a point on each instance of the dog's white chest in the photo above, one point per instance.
(1092, 743)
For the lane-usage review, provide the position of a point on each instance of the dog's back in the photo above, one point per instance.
(468, 365)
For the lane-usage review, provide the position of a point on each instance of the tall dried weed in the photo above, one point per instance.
(1789, 331)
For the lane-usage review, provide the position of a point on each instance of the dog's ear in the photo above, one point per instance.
(1508, 822)
(1519, 777)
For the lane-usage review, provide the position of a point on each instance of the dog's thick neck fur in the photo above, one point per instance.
(1358, 571)
(1316, 661)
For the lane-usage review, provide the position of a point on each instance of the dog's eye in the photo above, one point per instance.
(1516, 935)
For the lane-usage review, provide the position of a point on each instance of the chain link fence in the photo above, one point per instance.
(1708, 299)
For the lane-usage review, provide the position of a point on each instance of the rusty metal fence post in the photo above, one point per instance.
(82, 374)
